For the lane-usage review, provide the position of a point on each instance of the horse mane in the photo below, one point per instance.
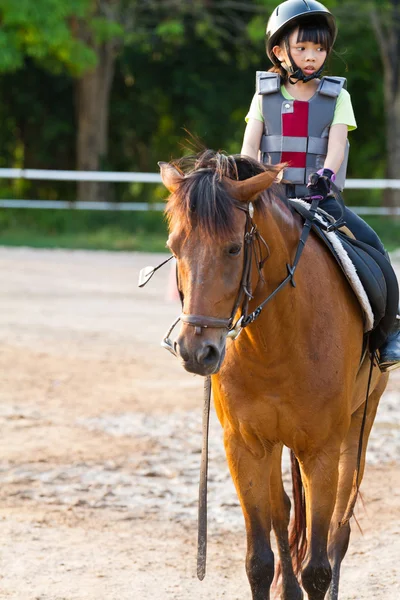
(201, 200)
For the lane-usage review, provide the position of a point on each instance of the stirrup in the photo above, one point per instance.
(388, 366)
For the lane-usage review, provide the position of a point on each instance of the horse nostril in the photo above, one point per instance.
(181, 351)
(207, 355)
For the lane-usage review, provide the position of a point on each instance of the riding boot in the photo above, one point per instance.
(390, 351)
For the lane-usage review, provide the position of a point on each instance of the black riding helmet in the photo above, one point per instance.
(291, 13)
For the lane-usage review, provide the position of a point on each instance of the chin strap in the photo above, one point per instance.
(295, 73)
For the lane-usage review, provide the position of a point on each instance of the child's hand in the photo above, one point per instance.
(320, 182)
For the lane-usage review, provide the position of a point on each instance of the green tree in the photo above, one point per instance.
(385, 19)
(137, 73)
(41, 31)
(111, 25)
(37, 41)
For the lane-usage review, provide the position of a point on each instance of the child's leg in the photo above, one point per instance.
(358, 226)
(390, 350)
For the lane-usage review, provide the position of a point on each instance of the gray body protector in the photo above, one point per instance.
(297, 132)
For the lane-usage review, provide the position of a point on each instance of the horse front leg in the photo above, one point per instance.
(280, 511)
(320, 478)
(250, 466)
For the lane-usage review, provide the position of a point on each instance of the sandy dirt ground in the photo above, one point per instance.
(100, 447)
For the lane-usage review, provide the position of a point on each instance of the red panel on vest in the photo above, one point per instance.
(297, 160)
(295, 124)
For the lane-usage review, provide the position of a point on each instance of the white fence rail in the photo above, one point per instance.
(47, 175)
(116, 176)
(148, 207)
(82, 205)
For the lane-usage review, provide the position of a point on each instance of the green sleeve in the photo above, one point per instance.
(254, 111)
(344, 113)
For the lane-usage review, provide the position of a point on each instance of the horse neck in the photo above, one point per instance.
(281, 232)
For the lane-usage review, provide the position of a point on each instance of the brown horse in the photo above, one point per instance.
(292, 378)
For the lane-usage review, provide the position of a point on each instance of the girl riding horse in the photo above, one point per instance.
(309, 119)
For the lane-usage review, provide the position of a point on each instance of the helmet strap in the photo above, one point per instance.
(294, 72)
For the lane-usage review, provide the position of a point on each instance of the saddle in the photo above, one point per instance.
(368, 272)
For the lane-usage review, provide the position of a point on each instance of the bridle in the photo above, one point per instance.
(253, 247)
(253, 244)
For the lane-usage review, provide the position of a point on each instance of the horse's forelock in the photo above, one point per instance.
(201, 200)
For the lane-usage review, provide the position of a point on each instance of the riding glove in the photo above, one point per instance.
(320, 182)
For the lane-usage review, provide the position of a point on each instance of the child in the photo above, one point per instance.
(297, 118)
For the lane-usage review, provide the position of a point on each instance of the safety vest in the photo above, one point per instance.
(297, 132)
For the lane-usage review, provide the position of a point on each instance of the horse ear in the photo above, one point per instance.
(249, 189)
(170, 176)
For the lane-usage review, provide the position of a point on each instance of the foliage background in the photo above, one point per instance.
(178, 66)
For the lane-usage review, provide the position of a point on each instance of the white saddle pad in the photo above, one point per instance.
(349, 269)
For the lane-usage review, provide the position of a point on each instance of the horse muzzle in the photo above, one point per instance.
(200, 356)
(201, 343)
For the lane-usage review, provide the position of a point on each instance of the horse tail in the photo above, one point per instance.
(297, 531)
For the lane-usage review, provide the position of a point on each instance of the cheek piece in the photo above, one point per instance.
(295, 73)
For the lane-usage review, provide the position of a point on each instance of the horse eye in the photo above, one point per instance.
(235, 249)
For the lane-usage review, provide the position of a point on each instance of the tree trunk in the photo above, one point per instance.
(387, 30)
(391, 198)
(93, 91)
